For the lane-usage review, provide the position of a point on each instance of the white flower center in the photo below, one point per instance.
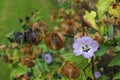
(85, 48)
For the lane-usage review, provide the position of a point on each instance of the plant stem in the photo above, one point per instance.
(92, 62)
(38, 66)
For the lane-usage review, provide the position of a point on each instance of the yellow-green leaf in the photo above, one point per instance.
(115, 10)
(89, 18)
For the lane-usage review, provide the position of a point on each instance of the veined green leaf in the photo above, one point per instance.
(115, 61)
(89, 72)
(117, 76)
(102, 50)
(104, 77)
(82, 75)
(103, 29)
(110, 31)
(15, 55)
(18, 71)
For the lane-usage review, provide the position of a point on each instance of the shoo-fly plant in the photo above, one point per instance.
(83, 44)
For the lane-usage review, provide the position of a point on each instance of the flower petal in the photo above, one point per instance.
(79, 39)
(97, 74)
(77, 52)
(77, 43)
(88, 55)
(94, 46)
(48, 58)
(86, 39)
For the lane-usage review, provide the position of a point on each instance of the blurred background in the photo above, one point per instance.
(11, 11)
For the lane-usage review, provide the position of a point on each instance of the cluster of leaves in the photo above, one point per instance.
(35, 53)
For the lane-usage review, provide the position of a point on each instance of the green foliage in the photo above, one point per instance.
(89, 72)
(117, 39)
(15, 55)
(102, 50)
(116, 76)
(116, 49)
(18, 71)
(37, 73)
(103, 77)
(102, 7)
(103, 29)
(110, 31)
(82, 75)
(115, 61)
(42, 69)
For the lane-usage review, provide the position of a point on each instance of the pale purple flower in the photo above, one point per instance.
(97, 74)
(48, 58)
(85, 46)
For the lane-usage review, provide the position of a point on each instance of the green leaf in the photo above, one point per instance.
(82, 75)
(89, 18)
(89, 72)
(103, 77)
(103, 29)
(110, 31)
(115, 11)
(117, 39)
(15, 55)
(18, 71)
(102, 7)
(117, 76)
(116, 49)
(102, 50)
(115, 61)
(37, 73)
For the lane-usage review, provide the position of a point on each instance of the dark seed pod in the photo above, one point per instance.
(19, 37)
(38, 34)
(54, 41)
(30, 36)
(42, 26)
